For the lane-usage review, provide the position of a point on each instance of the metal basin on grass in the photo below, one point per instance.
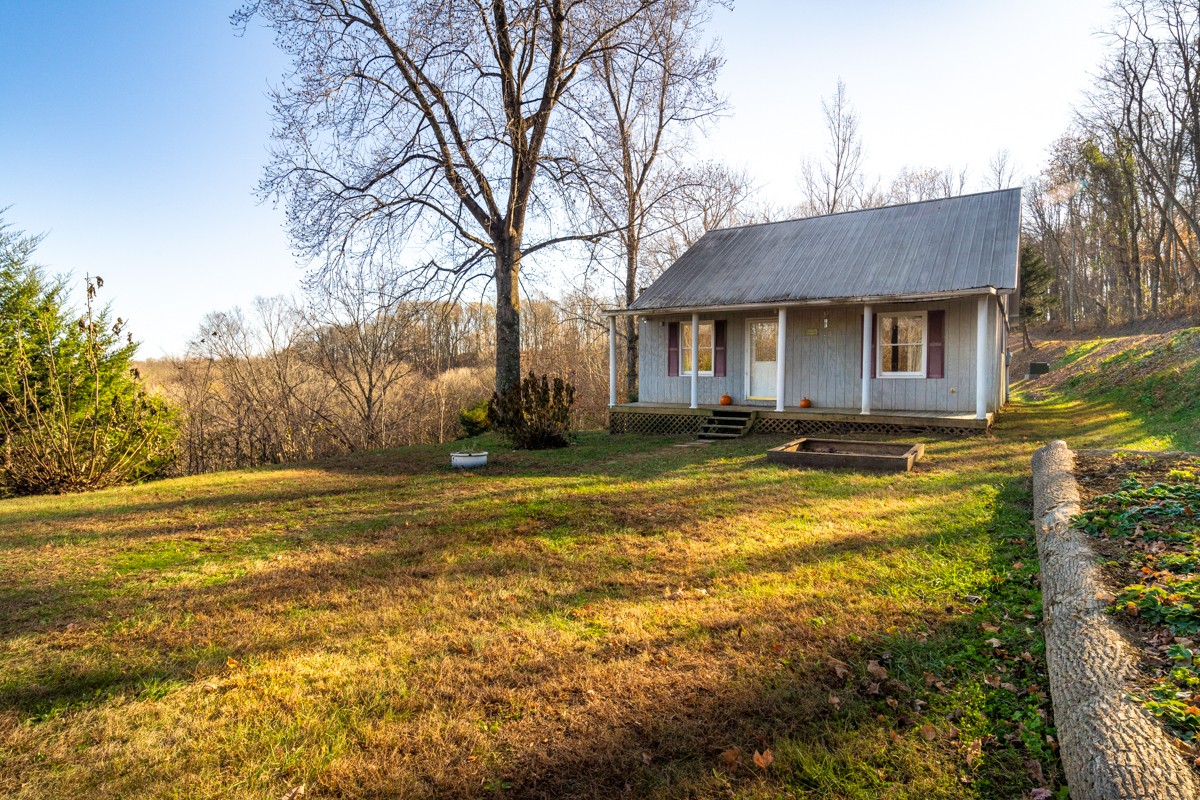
(468, 460)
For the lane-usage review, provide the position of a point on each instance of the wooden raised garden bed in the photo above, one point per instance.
(847, 454)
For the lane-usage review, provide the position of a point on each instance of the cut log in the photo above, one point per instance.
(1111, 749)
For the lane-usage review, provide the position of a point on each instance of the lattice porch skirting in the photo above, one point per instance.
(687, 422)
(812, 427)
(655, 424)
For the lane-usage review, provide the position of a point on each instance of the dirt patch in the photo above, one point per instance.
(1103, 471)
(1140, 510)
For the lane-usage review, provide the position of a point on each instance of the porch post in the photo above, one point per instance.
(867, 356)
(780, 353)
(695, 351)
(982, 356)
(612, 361)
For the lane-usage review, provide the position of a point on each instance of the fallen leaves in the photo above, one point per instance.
(973, 751)
(840, 669)
(764, 759)
(877, 670)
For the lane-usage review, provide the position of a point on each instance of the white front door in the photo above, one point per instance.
(761, 343)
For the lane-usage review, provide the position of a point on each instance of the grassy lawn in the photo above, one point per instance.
(623, 618)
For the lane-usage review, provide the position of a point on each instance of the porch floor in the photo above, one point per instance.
(880, 416)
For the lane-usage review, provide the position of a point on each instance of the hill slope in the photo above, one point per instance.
(1154, 377)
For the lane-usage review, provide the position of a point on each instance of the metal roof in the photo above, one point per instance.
(936, 247)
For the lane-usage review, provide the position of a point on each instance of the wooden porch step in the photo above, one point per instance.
(726, 424)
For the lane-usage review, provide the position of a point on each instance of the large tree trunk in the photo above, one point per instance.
(508, 316)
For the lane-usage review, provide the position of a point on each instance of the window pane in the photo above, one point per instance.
(888, 330)
(706, 347)
(911, 329)
(897, 329)
(910, 358)
(764, 340)
(902, 358)
(685, 347)
(889, 358)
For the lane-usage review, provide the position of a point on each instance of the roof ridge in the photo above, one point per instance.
(861, 210)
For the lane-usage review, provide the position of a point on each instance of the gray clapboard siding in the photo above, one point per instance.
(825, 366)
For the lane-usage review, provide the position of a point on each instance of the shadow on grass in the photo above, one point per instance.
(738, 678)
(665, 740)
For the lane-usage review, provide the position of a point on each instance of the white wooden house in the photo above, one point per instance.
(777, 318)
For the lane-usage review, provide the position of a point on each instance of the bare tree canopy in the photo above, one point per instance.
(912, 185)
(428, 131)
(713, 195)
(649, 96)
(1002, 172)
(1115, 211)
(835, 183)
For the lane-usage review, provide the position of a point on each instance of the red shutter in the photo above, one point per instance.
(874, 345)
(672, 349)
(936, 349)
(719, 348)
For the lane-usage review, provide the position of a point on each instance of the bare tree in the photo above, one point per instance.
(254, 400)
(1154, 78)
(1002, 172)
(1115, 210)
(835, 183)
(433, 123)
(361, 341)
(715, 195)
(651, 93)
(929, 183)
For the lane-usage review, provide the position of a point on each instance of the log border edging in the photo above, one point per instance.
(1110, 748)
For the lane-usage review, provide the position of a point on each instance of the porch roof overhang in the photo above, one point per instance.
(812, 302)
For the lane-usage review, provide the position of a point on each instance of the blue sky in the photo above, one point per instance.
(135, 131)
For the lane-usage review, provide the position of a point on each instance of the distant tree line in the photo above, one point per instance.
(350, 370)
(1115, 212)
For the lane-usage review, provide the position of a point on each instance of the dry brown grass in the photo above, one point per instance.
(597, 622)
